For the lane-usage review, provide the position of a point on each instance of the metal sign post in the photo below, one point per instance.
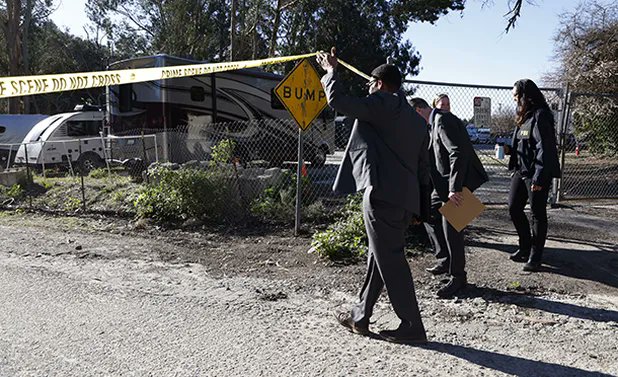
(302, 95)
(299, 186)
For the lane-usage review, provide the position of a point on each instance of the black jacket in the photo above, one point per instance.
(534, 153)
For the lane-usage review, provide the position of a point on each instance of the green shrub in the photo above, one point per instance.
(223, 151)
(14, 192)
(316, 212)
(72, 204)
(46, 183)
(178, 195)
(346, 238)
(278, 203)
(99, 173)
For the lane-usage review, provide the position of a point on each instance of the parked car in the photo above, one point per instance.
(484, 136)
(472, 133)
(343, 129)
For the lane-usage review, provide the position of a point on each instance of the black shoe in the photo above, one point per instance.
(438, 269)
(532, 266)
(454, 285)
(355, 327)
(405, 334)
(519, 256)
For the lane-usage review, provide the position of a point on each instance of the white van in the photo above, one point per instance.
(56, 140)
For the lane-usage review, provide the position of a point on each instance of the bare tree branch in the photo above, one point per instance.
(513, 15)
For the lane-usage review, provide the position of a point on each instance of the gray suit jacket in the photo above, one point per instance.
(455, 161)
(387, 148)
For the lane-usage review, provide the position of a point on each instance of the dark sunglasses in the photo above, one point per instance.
(371, 82)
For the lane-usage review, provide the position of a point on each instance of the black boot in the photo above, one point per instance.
(532, 266)
(406, 334)
(454, 285)
(520, 256)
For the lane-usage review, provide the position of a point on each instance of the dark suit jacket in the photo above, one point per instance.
(387, 148)
(455, 161)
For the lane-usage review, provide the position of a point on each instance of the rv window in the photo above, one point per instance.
(83, 128)
(275, 103)
(125, 98)
(197, 93)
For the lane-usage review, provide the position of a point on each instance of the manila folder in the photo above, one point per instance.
(460, 217)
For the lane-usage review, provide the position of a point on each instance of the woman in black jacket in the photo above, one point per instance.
(534, 162)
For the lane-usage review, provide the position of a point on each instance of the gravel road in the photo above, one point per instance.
(99, 304)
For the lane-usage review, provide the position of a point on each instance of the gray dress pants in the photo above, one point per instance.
(446, 241)
(387, 265)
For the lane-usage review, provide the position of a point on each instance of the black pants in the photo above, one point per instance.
(519, 194)
(387, 265)
(447, 243)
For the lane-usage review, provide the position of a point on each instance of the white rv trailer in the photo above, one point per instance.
(243, 109)
(75, 140)
(56, 140)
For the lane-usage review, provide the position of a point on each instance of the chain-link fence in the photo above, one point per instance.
(590, 140)
(246, 171)
(75, 174)
(218, 172)
(485, 133)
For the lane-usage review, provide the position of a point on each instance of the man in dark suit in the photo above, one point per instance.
(454, 165)
(387, 157)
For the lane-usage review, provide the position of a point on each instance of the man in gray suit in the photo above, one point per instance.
(454, 164)
(387, 157)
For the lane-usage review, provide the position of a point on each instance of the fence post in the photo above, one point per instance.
(104, 146)
(145, 156)
(564, 122)
(28, 177)
(8, 160)
(43, 158)
(156, 148)
(81, 176)
(69, 159)
(298, 182)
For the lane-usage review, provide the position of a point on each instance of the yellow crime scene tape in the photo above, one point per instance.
(354, 69)
(17, 86)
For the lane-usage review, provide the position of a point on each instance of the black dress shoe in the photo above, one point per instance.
(519, 256)
(438, 269)
(355, 327)
(454, 285)
(405, 334)
(532, 266)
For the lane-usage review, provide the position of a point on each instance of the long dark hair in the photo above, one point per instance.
(529, 100)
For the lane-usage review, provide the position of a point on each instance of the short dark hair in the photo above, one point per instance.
(389, 74)
(419, 103)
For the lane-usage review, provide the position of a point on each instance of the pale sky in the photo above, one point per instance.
(475, 49)
(469, 49)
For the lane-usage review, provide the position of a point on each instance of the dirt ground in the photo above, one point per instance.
(571, 304)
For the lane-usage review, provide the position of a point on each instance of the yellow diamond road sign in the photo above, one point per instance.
(302, 94)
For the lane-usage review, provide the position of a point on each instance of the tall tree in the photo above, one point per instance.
(587, 53)
(17, 19)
